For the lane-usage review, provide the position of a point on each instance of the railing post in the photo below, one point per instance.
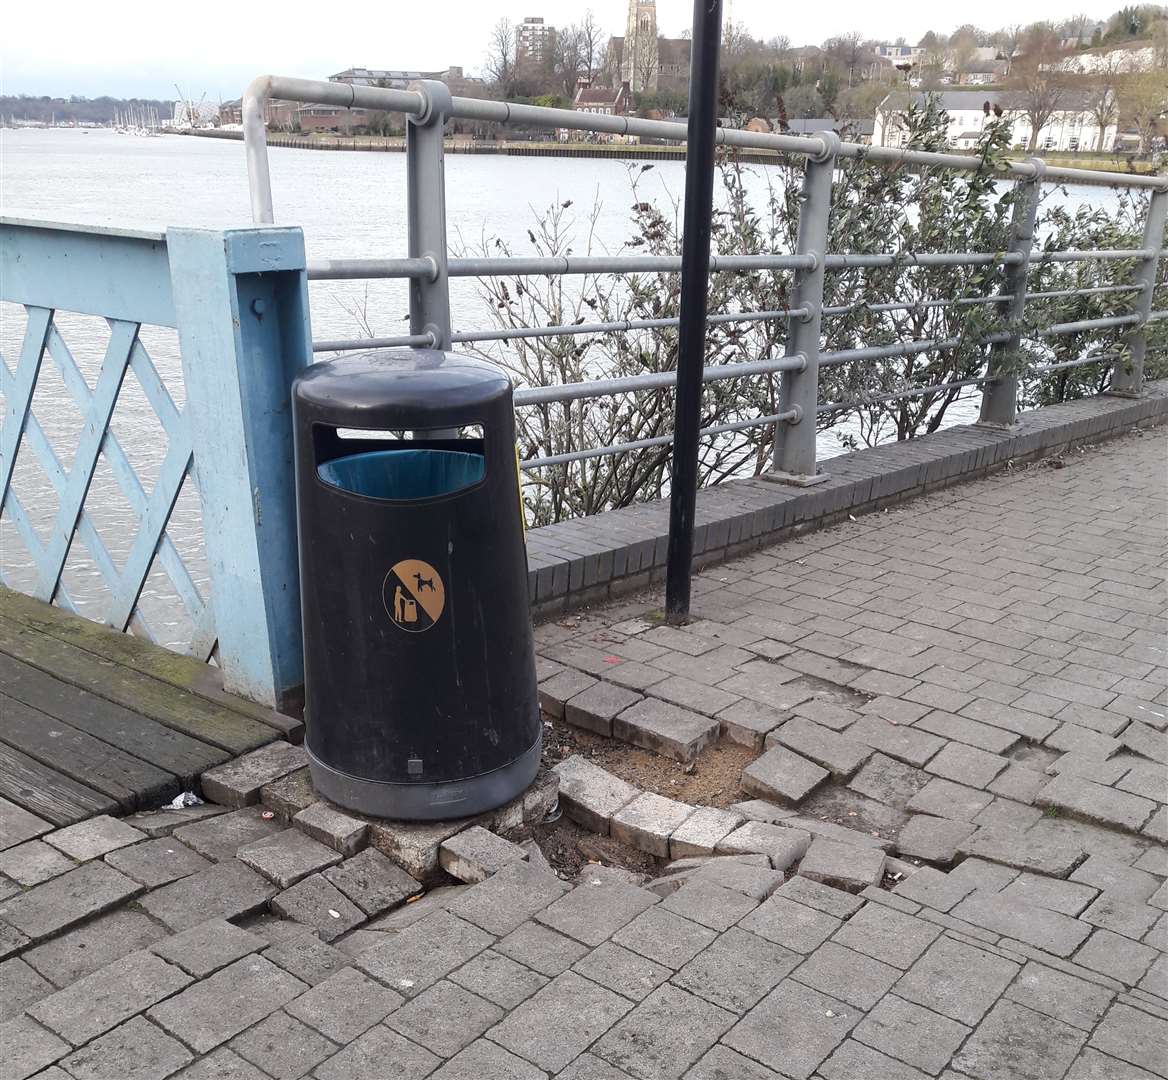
(794, 461)
(1127, 379)
(999, 396)
(241, 302)
(426, 199)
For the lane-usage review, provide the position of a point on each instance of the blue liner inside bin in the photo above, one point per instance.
(403, 474)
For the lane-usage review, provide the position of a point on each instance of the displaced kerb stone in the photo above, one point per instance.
(845, 866)
(781, 845)
(238, 782)
(373, 882)
(595, 707)
(648, 822)
(94, 838)
(699, 834)
(749, 722)
(474, 854)
(591, 795)
(666, 729)
(554, 693)
(324, 822)
(783, 775)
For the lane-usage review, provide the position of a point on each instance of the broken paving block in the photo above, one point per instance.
(474, 854)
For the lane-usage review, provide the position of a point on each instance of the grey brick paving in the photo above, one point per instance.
(344, 1005)
(1015, 1040)
(226, 890)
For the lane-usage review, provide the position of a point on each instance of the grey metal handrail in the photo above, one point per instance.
(428, 268)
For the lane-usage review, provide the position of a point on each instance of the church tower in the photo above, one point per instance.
(640, 61)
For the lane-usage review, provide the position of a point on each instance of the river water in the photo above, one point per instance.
(349, 204)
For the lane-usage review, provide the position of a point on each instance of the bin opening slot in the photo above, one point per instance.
(400, 466)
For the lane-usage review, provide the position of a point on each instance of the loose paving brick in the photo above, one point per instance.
(749, 722)
(889, 781)
(226, 890)
(218, 838)
(666, 729)
(792, 1029)
(957, 980)
(557, 691)
(106, 998)
(593, 913)
(282, 1046)
(664, 1034)
(1035, 849)
(1046, 930)
(373, 882)
(906, 744)
(840, 755)
(559, 1021)
(1019, 1041)
(289, 795)
(595, 708)
(64, 901)
(208, 947)
(94, 944)
(318, 903)
(782, 846)
(474, 854)
(966, 765)
(340, 831)
(238, 782)
(846, 866)
(591, 795)
(782, 776)
(1117, 878)
(933, 839)
(757, 882)
(217, 1008)
(136, 1050)
(648, 822)
(821, 897)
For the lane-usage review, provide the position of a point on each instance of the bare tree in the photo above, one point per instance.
(1039, 83)
(1145, 99)
(645, 63)
(501, 60)
(1103, 92)
(1075, 28)
(779, 44)
(589, 43)
(1008, 43)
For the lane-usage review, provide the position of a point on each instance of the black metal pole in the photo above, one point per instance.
(695, 269)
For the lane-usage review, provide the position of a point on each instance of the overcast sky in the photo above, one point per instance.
(137, 48)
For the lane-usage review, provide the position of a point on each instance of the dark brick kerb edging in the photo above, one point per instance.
(590, 559)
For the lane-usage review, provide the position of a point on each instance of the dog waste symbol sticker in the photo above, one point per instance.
(414, 595)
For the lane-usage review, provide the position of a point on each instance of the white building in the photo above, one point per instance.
(1070, 128)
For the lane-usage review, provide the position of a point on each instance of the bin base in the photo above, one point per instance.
(441, 801)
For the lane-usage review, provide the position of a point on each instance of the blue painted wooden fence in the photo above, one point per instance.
(238, 299)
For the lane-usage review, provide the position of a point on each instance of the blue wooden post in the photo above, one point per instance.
(241, 301)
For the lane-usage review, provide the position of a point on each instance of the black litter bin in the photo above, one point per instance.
(419, 663)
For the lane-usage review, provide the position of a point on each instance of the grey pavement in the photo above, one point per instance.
(948, 858)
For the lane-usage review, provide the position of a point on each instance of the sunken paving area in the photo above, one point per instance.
(947, 858)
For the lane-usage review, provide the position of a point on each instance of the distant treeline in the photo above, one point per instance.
(82, 110)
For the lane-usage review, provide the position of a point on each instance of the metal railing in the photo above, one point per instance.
(428, 268)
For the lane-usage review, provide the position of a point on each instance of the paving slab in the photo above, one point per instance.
(206, 948)
(840, 755)
(365, 1058)
(1046, 930)
(884, 934)
(424, 952)
(484, 1058)
(286, 857)
(1038, 848)
(28, 1047)
(623, 971)
(32, 862)
(135, 1050)
(957, 980)
(557, 691)
(316, 902)
(944, 798)
(344, 1005)
(332, 826)
(665, 937)
(18, 825)
(933, 839)
(912, 1034)
(845, 866)
(540, 948)
(593, 913)
(792, 925)
(782, 846)
(749, 722)
(595, 707)
(64, 901)
(499, 979)
(850, 976)
(709, 904)
(510, 897)
(444, 1018)
(1016, 1040)
(889, 781)
(157, 862)
(700, 833)
(307, 957)
(219, 837)
(1096, 802)
(283, 1046)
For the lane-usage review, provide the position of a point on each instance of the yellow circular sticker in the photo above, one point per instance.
(413, 595)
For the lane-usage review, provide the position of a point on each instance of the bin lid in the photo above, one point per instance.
(420, 381)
